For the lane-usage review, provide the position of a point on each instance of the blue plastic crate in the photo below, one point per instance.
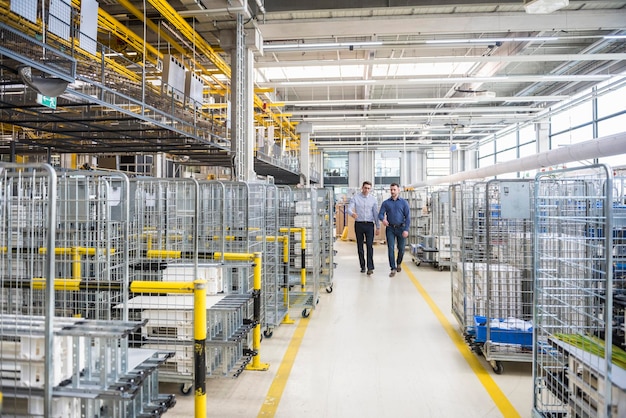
(502, 335)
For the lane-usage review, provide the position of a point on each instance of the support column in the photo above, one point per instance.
(242, 93)
(157, 165)
(542, 135)
(305, 129)
(360, 168)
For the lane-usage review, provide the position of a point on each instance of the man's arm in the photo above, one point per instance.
(350, 208)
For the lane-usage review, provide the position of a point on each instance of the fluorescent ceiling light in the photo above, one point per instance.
(544, 6)
(491, 40)
(327, 45)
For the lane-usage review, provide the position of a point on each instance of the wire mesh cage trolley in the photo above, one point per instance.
(578, 367)
(64, 349)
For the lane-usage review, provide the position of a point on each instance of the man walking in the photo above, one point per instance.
(363, 208)
(395, 215)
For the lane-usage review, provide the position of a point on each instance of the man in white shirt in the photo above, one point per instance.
(363, 208)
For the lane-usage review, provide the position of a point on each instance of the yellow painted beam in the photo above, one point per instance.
(162, 287)
(39, 283)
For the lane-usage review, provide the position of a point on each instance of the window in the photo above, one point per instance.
(506, 142)
(437, 164)
(612, 125)
(335, 168)
(575, 116)
(571, 137)
(611, 103)
(387, 167)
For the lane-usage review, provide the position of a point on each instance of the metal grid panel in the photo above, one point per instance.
(286, 212)
(325, 209)
(461, 229)
(92, 244)
(421, 241)
(164, 228)
(579, 259)
(304, 263)
(244, 207)
(274, 306)
(65, 240)
(440, 204)
(164, 237)
(474, 276)
(211, 215)
(509, 276)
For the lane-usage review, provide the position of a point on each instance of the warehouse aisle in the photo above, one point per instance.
(373, 347)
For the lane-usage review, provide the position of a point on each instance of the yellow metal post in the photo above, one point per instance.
(303, 250)
(287, 319)
(76, 267)
(256, 331)
(199, 335)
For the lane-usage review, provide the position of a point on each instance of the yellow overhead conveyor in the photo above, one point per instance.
(179, 48)
(203, 47)
(108, 22)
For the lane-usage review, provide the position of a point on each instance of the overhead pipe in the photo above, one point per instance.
(596, 148)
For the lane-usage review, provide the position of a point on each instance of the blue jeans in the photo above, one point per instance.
(392, 235)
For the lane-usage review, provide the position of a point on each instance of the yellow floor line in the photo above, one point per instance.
(500, 399)
(275, 392)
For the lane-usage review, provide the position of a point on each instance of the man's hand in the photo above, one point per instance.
(405, 234)
(377, 231)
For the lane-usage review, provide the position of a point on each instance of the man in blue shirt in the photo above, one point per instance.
(363, 208)
(395, 215)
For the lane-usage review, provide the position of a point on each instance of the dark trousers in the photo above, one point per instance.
(364, 232)
(394, 234)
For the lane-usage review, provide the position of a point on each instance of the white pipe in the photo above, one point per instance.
(596, 148)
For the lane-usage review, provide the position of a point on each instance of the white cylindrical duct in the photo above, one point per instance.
(596, 148)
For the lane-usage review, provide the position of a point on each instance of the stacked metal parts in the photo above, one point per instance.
(63, 275)
(580, 258)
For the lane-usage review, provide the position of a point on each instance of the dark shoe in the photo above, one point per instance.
(393, 273)
(399, 269)
(370, 272)
(362, 270)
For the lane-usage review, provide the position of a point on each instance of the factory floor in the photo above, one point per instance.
(375, 346)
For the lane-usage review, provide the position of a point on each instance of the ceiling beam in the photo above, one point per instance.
(447, 59)
(440, 24)
(441, 80)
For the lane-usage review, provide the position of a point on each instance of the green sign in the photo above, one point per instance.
(47, 101)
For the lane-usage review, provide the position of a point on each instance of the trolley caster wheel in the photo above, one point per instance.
(305, 313)
(317, 301)
(417, 263)
(477, 349)
(497, 366)
(329, 289)
(185, 389)
(268, 333)
(435, 265)
(440, 268)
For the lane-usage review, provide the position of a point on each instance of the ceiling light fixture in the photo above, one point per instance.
(320, 46)
(48, 86)
(491, 40)
(544, 6)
